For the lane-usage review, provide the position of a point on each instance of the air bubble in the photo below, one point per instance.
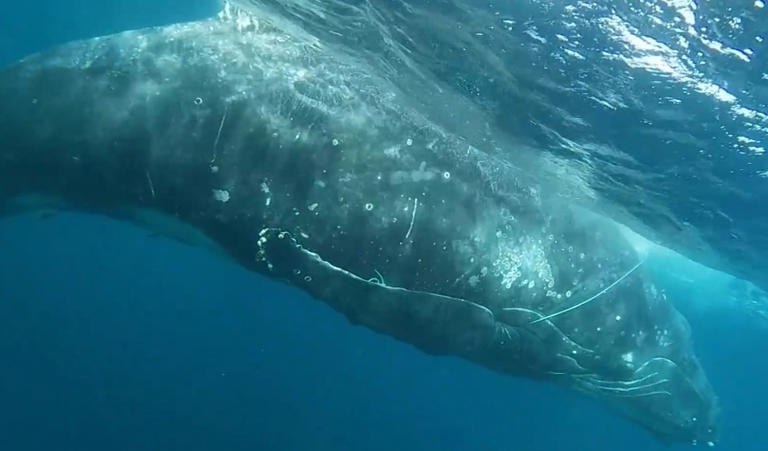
(368, 206)
(335, 142)
(446, 175)
(198, 100)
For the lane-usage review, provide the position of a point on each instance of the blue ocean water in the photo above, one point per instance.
(112, 338)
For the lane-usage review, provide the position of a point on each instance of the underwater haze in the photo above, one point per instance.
(652, 113)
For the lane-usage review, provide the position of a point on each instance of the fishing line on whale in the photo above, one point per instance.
(586, 301)
(590, 299)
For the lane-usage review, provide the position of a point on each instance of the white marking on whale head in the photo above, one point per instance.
(221, 195)
(392, 152)
(522, 257)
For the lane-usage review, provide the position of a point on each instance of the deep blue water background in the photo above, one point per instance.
(114, 339)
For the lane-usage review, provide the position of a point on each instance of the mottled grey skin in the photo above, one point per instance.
(303, 165)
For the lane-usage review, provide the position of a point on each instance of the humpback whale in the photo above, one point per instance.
(297, 159)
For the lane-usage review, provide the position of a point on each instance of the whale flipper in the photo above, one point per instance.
(437, 324)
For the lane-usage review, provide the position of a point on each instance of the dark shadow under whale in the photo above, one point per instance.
(293, 157)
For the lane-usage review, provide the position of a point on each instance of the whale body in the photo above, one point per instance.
(294, 158)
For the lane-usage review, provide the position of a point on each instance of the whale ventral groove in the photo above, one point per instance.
(298, 159)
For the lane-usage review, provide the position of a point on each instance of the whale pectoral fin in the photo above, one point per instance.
(435, 323)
